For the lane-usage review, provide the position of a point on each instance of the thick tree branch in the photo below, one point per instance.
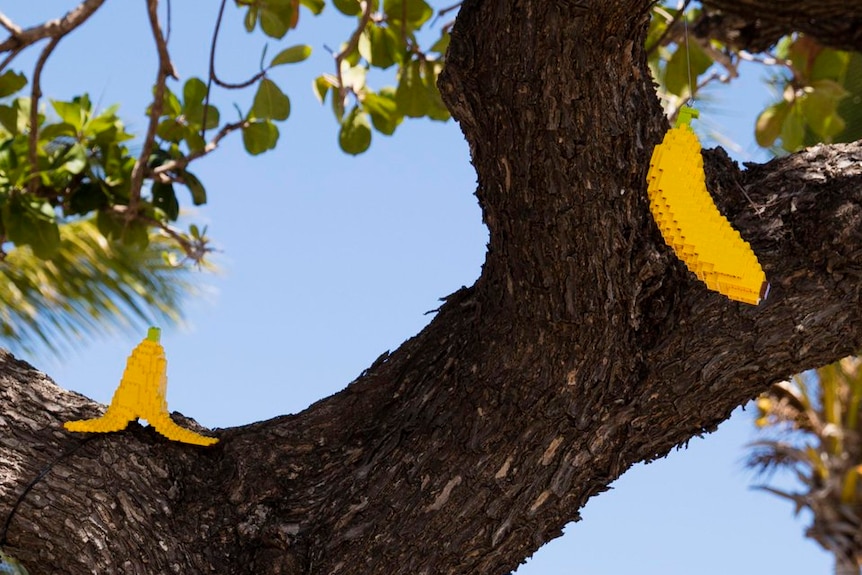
(583, 348)
(755, 25)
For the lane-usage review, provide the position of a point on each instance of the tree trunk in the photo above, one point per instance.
(846, 566)
(584, 347)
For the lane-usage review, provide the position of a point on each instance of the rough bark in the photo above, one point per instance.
(584, 347)
(756, 25)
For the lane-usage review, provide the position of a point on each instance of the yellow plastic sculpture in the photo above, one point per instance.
(141, 394)
(691, 223)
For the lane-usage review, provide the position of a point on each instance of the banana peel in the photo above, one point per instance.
(141, 394)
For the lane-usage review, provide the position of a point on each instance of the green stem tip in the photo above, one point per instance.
(154, 334)
(683, 118)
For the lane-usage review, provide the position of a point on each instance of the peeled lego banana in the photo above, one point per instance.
(141, 394)
(691, 223)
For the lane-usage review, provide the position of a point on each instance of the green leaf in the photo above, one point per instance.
(51, 132)
(793, 130)
(829, 65)
(355, 135)
(72, 113)
(270, 103)
(442, 43)
(769, 124)
(86, 198)
(74, 160)
(413, 12)
(199, 194)
(348, 7)
(316, 6)
(11, 82)
(383, 110)
(291, 55)
(850, 108)
(818, 108)
(411, 96)
(258, 137)
(32, 222)
(165, 199)
(678, 71)
(321, 86)
(171, 106)
(194, 140)
(250, 19)
(170, 130)
(437, 110)
(384, 46)
(194, 93)
(276, 17)
(829, 89)
(109, 225)
(135, 235)
(9, 118)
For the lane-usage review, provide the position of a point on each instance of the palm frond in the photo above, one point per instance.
(90, 285)
(768, 455)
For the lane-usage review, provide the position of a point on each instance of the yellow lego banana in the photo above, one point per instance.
(141, 394)
(691, 224)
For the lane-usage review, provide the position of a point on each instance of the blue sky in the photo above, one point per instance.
(330, 260)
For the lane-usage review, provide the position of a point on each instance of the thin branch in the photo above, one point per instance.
(194, 250)
(213, 77)
(351, 46)
(170, 11)
(35, 95)
(443, 11)
(9, 57)
(166, 70)
(181, 163)
(52, 28)
(723, 59)
(670, 25)
(14, 29)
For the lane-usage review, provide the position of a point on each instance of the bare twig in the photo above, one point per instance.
(50, 29)
(169, 13)
(443, 11)
(9, 57)
(722, 58)
(213, 77)
(181, 163)
(35, 95)
(166, 70)
(351, 46)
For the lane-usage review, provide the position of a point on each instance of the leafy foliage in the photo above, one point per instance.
(816, 83)
(382, 39)
(88, 285)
